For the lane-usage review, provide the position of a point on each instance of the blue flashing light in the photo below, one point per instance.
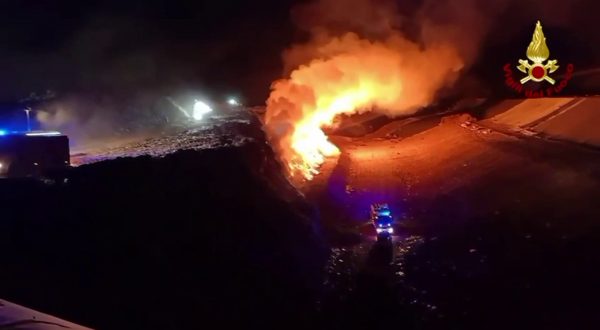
(3, 132)
(385, 213)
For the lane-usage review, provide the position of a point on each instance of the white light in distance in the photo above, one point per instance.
(200, 109)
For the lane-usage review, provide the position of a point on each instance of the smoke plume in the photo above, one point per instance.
(385, 56)
(357, 59)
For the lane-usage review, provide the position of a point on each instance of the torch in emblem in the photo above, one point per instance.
(538, 52)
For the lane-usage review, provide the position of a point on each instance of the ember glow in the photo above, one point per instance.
(351, 75)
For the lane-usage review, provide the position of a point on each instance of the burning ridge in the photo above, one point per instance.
(349, 73)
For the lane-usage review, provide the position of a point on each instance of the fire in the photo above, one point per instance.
(351, 75)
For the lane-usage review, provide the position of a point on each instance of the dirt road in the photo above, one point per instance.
(504, 223)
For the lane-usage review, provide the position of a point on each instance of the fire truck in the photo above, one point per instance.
(32, 154)
(381, 217)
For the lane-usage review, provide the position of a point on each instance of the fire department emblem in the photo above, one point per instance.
(538, 52)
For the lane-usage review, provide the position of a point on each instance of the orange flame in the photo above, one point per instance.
(352, 75)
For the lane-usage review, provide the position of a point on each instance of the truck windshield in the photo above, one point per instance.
(384, 219)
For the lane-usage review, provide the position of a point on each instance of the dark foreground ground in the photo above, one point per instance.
(495, 232)
(189, 241)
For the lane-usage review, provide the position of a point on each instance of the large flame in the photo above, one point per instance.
(352, 75)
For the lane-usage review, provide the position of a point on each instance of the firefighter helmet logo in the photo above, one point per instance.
(538, 52)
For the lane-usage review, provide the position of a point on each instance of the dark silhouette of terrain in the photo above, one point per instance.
(179, 242)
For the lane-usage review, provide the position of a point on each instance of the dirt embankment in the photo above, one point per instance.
(196, 237)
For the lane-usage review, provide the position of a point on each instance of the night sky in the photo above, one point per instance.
(123, 46)
(221, 47)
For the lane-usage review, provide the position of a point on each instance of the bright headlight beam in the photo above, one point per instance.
(178, 107)
(200, 109)
(233, 101)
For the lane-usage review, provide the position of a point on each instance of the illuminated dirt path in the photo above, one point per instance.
(458, 172)
(487, 222)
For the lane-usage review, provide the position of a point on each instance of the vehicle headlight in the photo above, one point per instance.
(200, 109)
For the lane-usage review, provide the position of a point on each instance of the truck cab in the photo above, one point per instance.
(31, 154)
(381, 217)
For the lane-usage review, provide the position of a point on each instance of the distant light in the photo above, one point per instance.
(3, 132)
(1, 166)
(43, 133)
(200, 109)
(233, 101)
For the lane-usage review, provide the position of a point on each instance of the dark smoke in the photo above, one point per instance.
(111, 64)
(471, 25)
(114, 57)
(384, 56)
